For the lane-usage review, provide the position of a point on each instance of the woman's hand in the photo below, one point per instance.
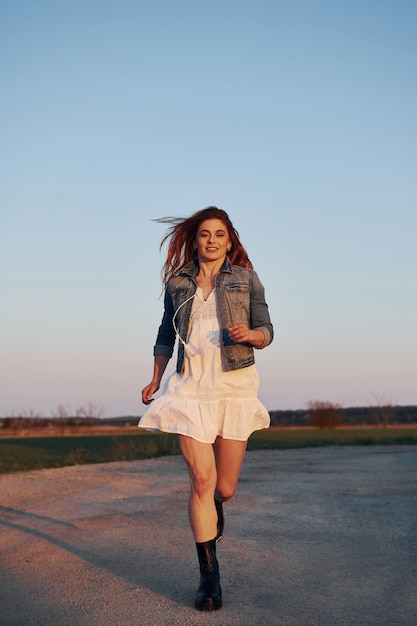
(148, 392)
(241, 333)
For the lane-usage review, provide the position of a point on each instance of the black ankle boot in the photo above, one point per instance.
(209, 594)
(220, 520)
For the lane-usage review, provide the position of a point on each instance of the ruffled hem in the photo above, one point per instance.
(205, 420)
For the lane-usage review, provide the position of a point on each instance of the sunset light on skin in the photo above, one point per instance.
(297, 118)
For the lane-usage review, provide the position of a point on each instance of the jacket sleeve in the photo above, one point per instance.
(259, 312)
(165, 340)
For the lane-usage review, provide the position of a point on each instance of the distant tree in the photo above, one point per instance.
(90, 412)
(29, 419)
(84, 414)
(382, 410)
(8, 422)
(324, 414)
(61, 412)
(18, 424)
(61, 416)
(23, 419)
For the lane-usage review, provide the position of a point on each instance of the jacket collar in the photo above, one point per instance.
(192, 268)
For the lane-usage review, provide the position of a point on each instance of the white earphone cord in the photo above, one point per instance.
(175, 315)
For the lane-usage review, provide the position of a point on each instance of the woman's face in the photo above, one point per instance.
(212, 240)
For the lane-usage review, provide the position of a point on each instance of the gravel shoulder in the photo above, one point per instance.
(320, 537)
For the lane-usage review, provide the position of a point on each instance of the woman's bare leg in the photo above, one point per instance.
(201, 464)
(229, 459)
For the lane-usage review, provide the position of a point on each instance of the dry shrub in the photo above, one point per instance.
(324, 414)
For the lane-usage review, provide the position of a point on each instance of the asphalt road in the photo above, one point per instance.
(324, 537)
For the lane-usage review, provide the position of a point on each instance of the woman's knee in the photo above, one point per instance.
(225, 491)
(203, 482)
(201, 465)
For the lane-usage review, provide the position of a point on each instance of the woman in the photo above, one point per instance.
(214, 302)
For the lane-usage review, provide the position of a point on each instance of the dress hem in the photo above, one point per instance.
(177, 432)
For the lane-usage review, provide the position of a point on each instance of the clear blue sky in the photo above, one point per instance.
(297, 117)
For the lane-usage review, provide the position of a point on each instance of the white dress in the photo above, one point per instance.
(204, 401)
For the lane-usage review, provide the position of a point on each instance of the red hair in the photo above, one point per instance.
(181, 236)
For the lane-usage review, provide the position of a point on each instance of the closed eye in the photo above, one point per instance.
(219, 233)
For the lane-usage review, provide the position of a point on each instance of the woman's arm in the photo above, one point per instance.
(162, 350)
(159, 367)
(259, 314)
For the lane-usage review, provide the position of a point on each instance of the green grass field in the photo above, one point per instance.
(32, 453)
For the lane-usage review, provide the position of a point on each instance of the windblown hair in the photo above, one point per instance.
(181, 236)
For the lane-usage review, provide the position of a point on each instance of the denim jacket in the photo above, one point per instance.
(240, 298)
